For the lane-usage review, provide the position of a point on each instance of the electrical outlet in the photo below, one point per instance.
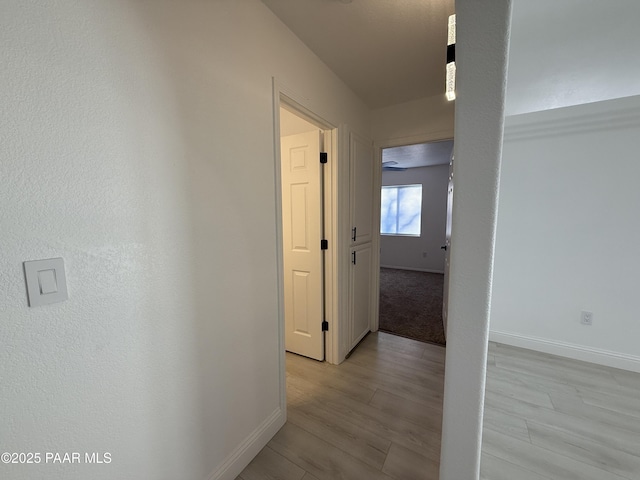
(586, 318)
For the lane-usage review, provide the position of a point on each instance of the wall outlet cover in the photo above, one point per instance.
(586, 318)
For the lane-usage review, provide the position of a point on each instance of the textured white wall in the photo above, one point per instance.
(566, 230)
(572, 52)
(421, 120)
(137, 143)
(568, 235)
(483, 28)
(407, 252)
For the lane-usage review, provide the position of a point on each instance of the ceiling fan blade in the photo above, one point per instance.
(393, 169)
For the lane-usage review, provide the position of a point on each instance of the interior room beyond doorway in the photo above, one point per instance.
(415, 183)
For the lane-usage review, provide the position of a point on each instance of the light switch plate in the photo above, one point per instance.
(46, 281)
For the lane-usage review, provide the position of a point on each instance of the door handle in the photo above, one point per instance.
(444, 247)
(353, 234)
(353, 257)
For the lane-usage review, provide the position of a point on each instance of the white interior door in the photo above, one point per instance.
(302, 232)
(447, 248)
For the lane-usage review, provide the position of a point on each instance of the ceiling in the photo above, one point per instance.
(386, 51)
(420, 155)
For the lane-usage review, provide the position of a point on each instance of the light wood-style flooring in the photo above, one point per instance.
(552, 418)
(378, 416)
(375, 416)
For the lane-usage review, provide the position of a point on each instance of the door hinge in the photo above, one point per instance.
(323, 157)
(325, 326)
(324, 244)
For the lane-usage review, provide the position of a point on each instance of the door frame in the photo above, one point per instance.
(378, 146)
(285, 97)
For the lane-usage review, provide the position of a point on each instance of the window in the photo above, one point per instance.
(401, 210)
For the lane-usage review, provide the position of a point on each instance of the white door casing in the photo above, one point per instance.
(302, 231)
(447, 248)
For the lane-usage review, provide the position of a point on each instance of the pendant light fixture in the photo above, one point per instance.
(451, 59)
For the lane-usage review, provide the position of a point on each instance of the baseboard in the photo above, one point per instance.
(569, 350)
(249, 448)
(413, 269)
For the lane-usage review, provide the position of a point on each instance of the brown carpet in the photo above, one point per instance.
(411, 304)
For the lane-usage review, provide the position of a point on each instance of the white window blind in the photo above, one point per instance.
(401, 210)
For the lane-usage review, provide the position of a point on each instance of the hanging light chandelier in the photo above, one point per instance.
(451, 59)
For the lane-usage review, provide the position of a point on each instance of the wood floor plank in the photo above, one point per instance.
(423, 377)
(401, 386)
(360, 443)
(566, 364)
(565, 374)
(399, 358)
(535, 382)
(585, 450)
(403, 463)
(540, 460)
(385, 425)
(396, 343)
(320, 458)
(269, 465)
(410, 411)
(521, 392)
(323, 376)
(534, 360)
(308, 476)
(360, 381)
(620, 439)
(491, 360)
(494, 468)
(413, 350)
(627, 379)
(502, 422)
(625, 404)
(434, 353)
(575, 407)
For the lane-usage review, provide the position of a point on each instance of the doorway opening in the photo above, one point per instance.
(413, 239)
(305, 186)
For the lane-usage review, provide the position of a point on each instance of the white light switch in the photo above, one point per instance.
(46, 281)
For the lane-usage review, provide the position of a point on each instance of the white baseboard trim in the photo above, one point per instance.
(249, 448)
(413, 269)
(569, 350)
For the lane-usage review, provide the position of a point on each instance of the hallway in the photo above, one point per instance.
(376, 416)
